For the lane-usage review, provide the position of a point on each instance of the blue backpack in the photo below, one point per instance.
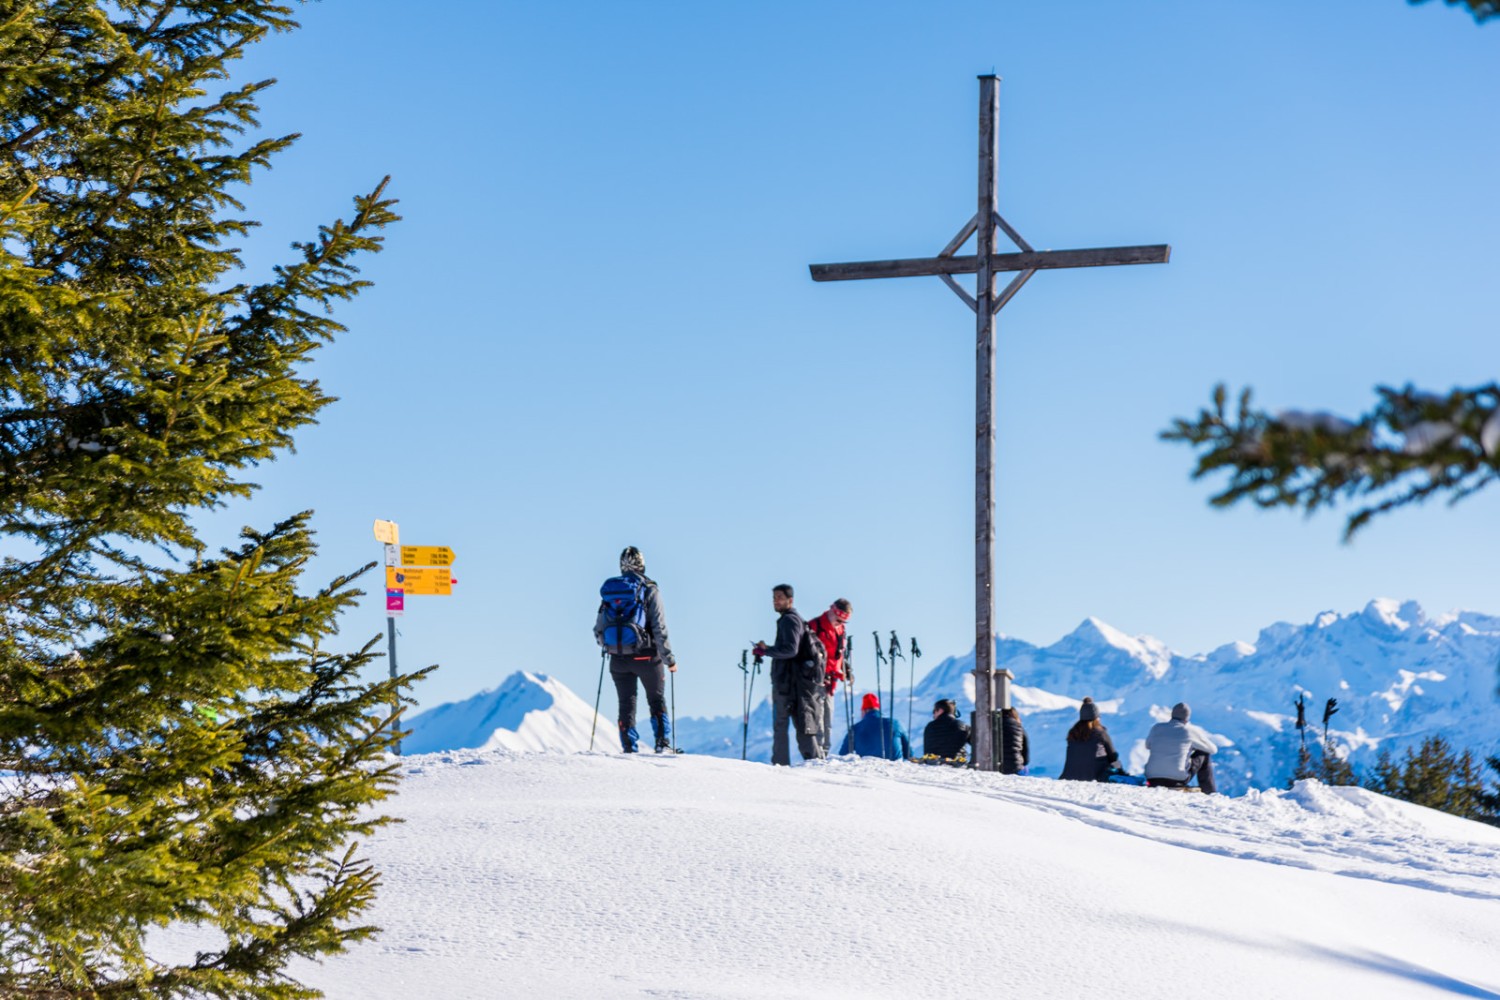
(625, 629)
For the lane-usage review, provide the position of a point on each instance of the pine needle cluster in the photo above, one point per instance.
(1410, 447)
(179, 746)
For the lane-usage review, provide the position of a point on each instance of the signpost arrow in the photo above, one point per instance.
(419, 580)
(426, 555)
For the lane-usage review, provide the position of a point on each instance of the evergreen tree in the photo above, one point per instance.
(1433, 775)
(1411, 447)
(1482, 10)
(1488, 801)
(1334, 769)
(178, 744)
(1304, 768)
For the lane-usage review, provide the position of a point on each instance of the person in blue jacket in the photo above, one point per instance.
(876, 736)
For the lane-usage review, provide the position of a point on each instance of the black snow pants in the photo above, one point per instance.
(652, 673)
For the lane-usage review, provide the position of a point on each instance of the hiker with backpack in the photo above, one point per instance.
(876, 736)
(1180, 751)
(1091, 753)
(631, 629)
(797, 664)
(829, 629)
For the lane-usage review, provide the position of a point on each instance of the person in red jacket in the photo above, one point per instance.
(829, 628)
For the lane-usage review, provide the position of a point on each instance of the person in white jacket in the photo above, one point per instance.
(1180, 751)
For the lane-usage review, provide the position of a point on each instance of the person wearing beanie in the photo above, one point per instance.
(945, 736)
(1180, 751)
(828, 628)
(1091, 753)
(876, 736)
(796, 682)
(647, 663)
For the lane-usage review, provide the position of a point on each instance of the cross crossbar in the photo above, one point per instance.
(913, 267)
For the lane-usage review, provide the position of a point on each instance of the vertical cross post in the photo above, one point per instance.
(985, 265)
(984, 426)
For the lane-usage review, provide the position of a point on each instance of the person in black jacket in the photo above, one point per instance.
(1091, 753)
(1015, 745)
(648, 666)
(945, 736)
(796, 682)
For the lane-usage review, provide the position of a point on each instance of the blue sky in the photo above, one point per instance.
(595, 326)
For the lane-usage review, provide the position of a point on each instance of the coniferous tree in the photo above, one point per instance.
(1488, 800)
(1482, 10)
(1334, 769)
(1432, 775)
(178, 743)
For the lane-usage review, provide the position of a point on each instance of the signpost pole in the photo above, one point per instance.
(390, 635)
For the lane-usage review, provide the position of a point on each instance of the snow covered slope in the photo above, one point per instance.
(600, 875)
(527, 712)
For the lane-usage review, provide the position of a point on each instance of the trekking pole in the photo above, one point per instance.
(597, 695)
(673, 674)
(848, 685)
(745, 698)
(916, 654)
(879, 659)
(750, 697)
(895, 655)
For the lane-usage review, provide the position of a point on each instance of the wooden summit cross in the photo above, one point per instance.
(986, 263)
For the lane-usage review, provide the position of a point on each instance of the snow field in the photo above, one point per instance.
(599, 875)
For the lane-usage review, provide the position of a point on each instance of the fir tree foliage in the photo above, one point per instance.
(1433, 775)
(1410, 447)
(1482, 10)
(178, 742)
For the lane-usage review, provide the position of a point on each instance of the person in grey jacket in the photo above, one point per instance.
(1180, 751)
(796, 682)
(648, 666)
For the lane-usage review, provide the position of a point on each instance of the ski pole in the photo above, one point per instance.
(879, 659)
(673, 674)
(597, 695)
(916, 654)
(895, 655)
(751, 697)
(848, 685)
(745, 698)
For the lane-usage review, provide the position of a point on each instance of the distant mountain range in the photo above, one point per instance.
(1398, 675)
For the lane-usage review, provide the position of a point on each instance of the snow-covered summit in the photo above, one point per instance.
(526, 712)
(599, 875)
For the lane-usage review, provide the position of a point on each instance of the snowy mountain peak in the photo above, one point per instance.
(526, 712)
(1398, 616)
(1152, 654)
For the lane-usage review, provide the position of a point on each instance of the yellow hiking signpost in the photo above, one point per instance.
(426, 555)
(419, 580)
(410, 569)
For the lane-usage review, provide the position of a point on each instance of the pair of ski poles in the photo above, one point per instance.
(749, 689)
(890, 656)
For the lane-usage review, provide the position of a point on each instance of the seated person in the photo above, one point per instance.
(1179, 751)
(1091, 753)
(876, 736)
(945, 736)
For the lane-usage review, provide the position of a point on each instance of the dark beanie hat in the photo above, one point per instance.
(1088, 711)
(1180, 711)
(631, 560)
